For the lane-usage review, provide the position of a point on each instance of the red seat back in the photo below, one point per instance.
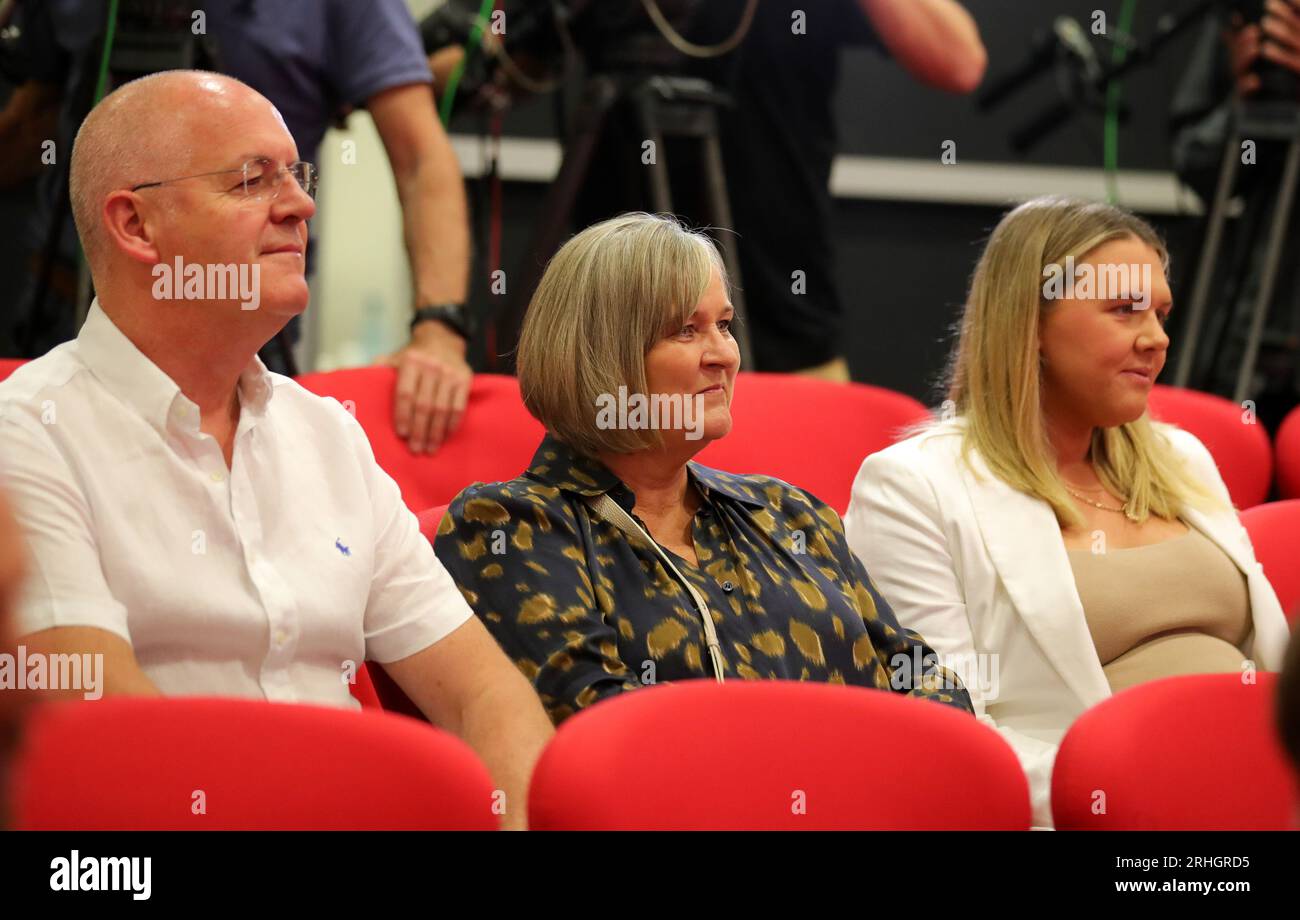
(151, 764)
(9, 365)
(363, 689)
(775, 755)
(1274, 529)
(1238, 443)
(429, 520)
(1288, 456)
(1197, 752)
(495, 441)
(812, 433)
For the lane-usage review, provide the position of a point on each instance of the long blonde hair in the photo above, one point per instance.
(995, 376)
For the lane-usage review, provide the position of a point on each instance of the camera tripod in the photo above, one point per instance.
(1276, 122)
(664, 107)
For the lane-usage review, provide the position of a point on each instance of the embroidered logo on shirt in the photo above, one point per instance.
(338, 545)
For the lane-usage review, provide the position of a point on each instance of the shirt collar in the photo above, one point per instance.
(139, 383)
(737, 488)
(558, 465)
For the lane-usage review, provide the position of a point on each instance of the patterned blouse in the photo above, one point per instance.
(587, 612)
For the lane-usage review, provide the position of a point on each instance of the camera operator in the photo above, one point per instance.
(778, 139)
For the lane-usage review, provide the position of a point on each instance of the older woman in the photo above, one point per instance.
(614, 561)
(1048, 529)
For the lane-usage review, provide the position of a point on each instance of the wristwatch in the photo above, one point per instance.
(453, 315)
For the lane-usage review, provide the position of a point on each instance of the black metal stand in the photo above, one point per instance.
(1258, 121)
(665, 106)
(1088, 87)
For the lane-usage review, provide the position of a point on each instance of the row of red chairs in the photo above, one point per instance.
(837, 426)
(809, 432)
(498, 436)
(761, 755)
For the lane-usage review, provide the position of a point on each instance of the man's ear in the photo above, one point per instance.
(127, 228)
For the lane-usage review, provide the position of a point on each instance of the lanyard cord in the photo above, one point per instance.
(609, 510)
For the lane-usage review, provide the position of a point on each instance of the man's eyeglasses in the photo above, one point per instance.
(262, 178)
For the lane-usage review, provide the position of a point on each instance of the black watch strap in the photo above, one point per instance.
(452, 314)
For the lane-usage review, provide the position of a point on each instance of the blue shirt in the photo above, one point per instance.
(313, 59)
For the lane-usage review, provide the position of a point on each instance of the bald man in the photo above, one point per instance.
(211, 528)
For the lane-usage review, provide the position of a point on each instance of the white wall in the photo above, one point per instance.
(361, 295)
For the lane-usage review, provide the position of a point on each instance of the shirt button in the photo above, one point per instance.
(727, 586)
(218, 477)
(280, 636)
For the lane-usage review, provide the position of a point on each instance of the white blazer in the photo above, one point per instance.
(979, 569)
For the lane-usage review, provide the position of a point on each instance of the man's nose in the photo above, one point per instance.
(293, 202)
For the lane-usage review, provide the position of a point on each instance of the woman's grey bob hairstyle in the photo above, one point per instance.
(606, 297)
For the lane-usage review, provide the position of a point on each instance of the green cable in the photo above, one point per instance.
(101, 85)
(1114, 93)
(475, 38)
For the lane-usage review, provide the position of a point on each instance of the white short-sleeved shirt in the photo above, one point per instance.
(262, 580)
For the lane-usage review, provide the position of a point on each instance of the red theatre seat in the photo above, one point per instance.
(775, 755)
(495, 441)
(1238, 443)
(9, 365)
(363, 690)
(1288, 456)
(1198, 752)
(226, 764)
(1274, 529)
(429, 520)
(812, 433)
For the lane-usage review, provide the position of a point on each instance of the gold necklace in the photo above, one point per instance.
(1084, 498)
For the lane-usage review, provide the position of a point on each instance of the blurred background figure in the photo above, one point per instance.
(722, 113)
(779, 138)
(317, 61)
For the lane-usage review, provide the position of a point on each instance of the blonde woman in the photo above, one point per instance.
(1050, 541)
(615, 561)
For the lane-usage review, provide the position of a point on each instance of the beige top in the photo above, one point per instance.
(1177, 607)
